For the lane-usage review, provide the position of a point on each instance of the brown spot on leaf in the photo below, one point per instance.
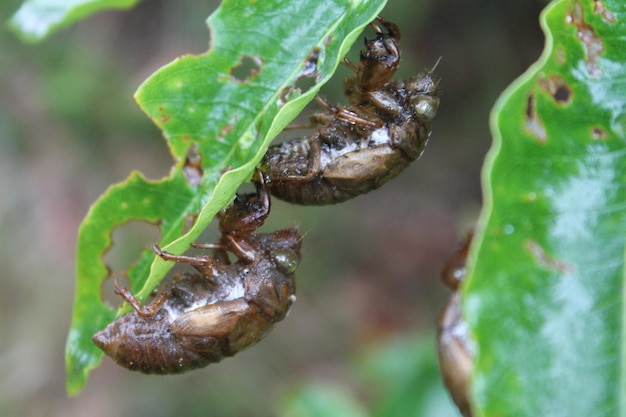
(225, 170)
(164, 118)
(533, 124)
(600, 9)
(542, 258)
(529, 197)
(247, 68)
(328, 40)
(557, 87)
(285, 94)
(225, 130)
(594, 47)
(193, 166)
(560, 55)
(310, 64)
(597, 133)
(304, 81)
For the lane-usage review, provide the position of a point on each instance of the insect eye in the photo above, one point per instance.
(426, 107)
(286, 261)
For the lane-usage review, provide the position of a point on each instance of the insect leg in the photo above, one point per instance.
(241, 248)
(205, 264)
(392, 29)
(347, 115)
(144, 311)
(354, 67)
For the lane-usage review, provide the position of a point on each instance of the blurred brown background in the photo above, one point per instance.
(69, 128)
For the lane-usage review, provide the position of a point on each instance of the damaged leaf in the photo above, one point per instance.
(545, 293)
(218, 111)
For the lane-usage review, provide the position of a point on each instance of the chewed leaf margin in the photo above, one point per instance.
(218, 128)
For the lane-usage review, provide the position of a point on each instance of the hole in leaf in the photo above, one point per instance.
(308, 76)
(597, 133)
(108, 292)
(304, 84)
(310, 64)
(247, 68)
(558, 88)
(130, 241)
(285, 94)
(562, 94)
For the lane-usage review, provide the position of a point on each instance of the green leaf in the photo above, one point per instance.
(37, 19)
(219, 112)
(545, 293)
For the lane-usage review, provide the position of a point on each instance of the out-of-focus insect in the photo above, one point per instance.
(356, 149)
(203, 317)
(455, 347)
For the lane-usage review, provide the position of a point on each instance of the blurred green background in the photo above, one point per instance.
(361, 332)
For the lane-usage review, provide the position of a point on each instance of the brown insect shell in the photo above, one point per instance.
(202, 320)
(342, 159)
(455, 346)
(456, 354)
(380, 59)
(246, 213)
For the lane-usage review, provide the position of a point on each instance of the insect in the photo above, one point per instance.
(203, 317)
(356, 149)
(454, 345)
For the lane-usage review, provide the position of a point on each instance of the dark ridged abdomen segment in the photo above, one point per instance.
(330, 177)
(146, 345)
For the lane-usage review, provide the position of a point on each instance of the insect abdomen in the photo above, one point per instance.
(148, 346)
